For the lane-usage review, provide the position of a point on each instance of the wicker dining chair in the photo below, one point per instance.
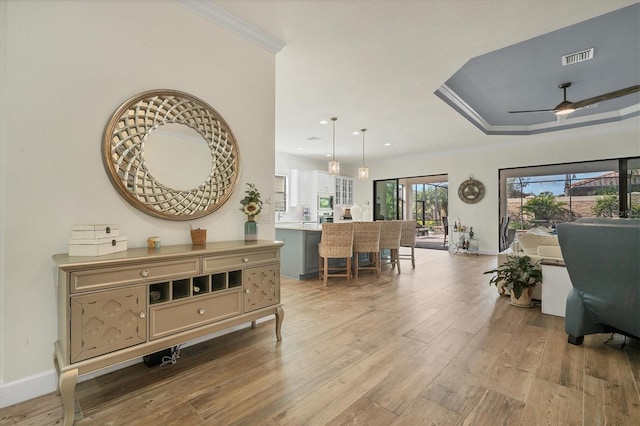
(366, 239)
(408, 240)
(390, 231)
(336, 242)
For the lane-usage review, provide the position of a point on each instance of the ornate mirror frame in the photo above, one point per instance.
(123, 154)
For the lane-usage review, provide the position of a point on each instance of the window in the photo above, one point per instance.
(431, 202)
(544, 195)
(386, 194)
(631, 187)
(280, 194)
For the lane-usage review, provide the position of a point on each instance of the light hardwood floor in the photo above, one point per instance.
(434, 345)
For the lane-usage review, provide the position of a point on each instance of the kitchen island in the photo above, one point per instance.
(299, 255)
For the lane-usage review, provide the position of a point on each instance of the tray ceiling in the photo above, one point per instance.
(388, 65)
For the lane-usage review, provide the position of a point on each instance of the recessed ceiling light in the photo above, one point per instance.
(300, 149)
(327, 155)
(356, 133)
(324, 122)
(387, 144)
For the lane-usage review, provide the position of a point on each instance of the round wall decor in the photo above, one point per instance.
(471, 191)
(162, 113)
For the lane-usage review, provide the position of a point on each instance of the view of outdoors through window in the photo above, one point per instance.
(430, 203)
(530, 196)
(545, 200)
(280, 194)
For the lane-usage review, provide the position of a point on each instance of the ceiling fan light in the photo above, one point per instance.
(565, 107)
(565, 111)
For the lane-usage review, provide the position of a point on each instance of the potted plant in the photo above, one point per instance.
(518, 275)
(251, 205)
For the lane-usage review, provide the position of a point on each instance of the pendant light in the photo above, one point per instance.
(334, 166)
(363, 172)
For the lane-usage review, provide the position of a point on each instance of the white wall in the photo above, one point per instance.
(66, 67)
(613, 140)
(286, 162)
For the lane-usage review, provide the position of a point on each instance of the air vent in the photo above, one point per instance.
(313, 138)
(574, 58)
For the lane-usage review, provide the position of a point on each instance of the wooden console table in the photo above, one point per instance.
(125, 305)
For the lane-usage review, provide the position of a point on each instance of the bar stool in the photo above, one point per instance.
(336, 242)
(366, 239)
(408, 240)
(390, 231)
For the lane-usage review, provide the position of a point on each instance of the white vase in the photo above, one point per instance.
(356, 213)
(366, 214)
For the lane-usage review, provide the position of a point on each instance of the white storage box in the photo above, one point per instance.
(92, 232)
(97, 247)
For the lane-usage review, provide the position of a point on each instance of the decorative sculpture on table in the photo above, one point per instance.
(356, 212)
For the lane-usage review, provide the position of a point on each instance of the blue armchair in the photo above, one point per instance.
(602, 256)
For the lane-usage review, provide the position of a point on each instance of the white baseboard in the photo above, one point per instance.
(28, 388)
(47, 382)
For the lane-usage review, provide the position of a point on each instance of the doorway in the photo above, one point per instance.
(421, 198)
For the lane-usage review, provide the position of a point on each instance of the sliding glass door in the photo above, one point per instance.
(386, 194)
(630, 188)
(544, 195)
(423, 198)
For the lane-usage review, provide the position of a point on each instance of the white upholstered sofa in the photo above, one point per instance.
(539, 244)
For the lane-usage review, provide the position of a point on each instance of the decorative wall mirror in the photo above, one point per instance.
(171, 155)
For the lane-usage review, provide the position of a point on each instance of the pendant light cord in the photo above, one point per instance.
(333, 155)
(363, 130)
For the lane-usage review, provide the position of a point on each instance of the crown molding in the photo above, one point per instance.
(219, 16)
(450, 97)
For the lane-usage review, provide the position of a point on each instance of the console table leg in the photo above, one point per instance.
(279, 318)
(67, 385)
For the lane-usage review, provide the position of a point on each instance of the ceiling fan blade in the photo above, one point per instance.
(533, 110)
(611, 95)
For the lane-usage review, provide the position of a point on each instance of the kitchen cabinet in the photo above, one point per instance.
(322, 182)
(299, 192)
(300, 252)
(344, 191)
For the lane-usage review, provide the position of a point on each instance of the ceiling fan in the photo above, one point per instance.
(567, 107)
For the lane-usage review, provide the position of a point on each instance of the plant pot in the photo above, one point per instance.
(525, 299)
(251, 229)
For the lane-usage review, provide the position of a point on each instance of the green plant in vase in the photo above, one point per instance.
(251, 205)
(518, 276)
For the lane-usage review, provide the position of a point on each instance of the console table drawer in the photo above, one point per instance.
(239, 260)
(173, 318)
(108, 277)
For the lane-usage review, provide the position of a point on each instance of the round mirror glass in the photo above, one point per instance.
(177, 156)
